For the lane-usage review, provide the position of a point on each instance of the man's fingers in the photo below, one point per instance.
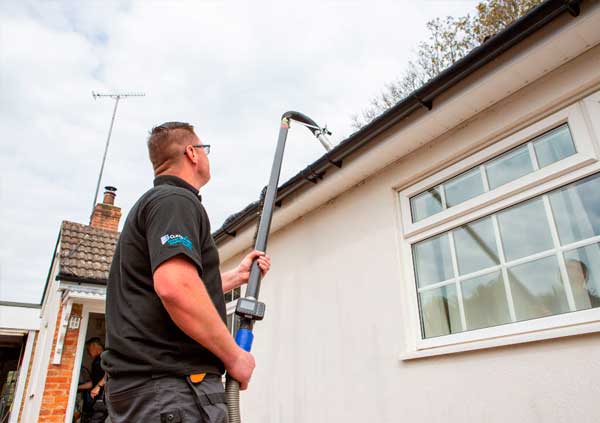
(256, 253)
(264, 264)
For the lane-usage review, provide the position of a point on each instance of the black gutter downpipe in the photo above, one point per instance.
(424, 96)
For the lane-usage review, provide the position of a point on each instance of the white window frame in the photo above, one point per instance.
(585, 131)
(585, 155)
(88, 307)
(230, 307)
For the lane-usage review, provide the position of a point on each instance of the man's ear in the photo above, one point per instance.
(191, 154)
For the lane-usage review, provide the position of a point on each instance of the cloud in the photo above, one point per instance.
(231, 69)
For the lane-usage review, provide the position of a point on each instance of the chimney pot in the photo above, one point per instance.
(109, 195)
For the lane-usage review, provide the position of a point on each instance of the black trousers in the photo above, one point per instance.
(99, 413)
(169, 400)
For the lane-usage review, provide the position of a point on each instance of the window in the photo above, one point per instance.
(506, 242)
(233, 321)
(551, 147)
(537, 258)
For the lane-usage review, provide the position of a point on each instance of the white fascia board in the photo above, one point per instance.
(529, 62)
(19, 318)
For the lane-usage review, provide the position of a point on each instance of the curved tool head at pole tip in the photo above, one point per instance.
(317, 131)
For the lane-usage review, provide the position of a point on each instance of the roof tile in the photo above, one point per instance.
(86, 252)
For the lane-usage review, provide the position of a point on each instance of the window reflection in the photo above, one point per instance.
(441, 314)
(537, 289)
(433, 262)
(583, 270)
(426, 204)
(576, 209)
(463, 187)
(509, 166)
(554, 146)
(524, 229)
(476, 246)
(485, 301)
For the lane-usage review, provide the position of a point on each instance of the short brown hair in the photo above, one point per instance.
(167, 142)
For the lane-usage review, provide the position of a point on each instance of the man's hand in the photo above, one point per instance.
(243, 269)
(240, 275)
(95, 391)
(241, 368)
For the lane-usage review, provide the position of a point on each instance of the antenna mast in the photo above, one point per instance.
(116, 97)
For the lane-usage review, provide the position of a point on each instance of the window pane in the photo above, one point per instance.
(426, 204)
(583, 268)
(554, 146)
(433, 263)
(537, 289)
(463, 187)
(576, 209)
(475, 246)
(524, 230)
(509, 166)
(484, 300)
(439, 311)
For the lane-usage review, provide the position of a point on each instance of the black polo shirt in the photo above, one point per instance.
(142, 340)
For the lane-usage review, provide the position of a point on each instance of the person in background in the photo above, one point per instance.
(83, 401)
(95, 348)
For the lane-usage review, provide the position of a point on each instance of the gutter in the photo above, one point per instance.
(422, 98)
(79, 279)
(18, 304)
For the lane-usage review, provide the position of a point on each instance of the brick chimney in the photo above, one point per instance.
(106, 215)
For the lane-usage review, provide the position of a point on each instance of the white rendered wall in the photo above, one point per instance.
(328, 348)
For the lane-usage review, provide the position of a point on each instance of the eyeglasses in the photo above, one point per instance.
(205, 147)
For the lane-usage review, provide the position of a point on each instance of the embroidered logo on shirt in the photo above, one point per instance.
(176, 240)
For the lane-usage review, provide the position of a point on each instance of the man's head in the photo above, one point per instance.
(94, 347)
(577, 270)
(175, 149)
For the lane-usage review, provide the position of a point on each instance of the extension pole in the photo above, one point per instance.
(249, 308)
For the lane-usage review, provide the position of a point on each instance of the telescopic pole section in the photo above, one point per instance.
(264, 226)
(112, 122)
(248, 308)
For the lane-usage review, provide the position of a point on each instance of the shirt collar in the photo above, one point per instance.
(175, 181)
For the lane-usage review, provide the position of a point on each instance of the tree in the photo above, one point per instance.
(449, 40)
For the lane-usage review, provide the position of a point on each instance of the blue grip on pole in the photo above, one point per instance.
(244, 338)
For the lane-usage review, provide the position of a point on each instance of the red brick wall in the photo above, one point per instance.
(58, 380)
(106, 216)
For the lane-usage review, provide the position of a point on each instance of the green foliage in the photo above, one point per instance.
(449, 40)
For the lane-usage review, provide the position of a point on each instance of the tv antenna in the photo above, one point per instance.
(116, 97)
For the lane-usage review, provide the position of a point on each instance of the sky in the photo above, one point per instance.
(229, 68)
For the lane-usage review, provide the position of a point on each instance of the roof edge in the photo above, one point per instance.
(72, 278)
(421, 98)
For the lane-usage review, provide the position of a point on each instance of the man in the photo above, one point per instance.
(167, 342)
(83, 401)
(98, 412)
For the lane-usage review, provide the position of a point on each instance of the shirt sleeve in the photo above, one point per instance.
(173, 228)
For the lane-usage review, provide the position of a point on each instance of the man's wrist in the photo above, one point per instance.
(238, 277)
